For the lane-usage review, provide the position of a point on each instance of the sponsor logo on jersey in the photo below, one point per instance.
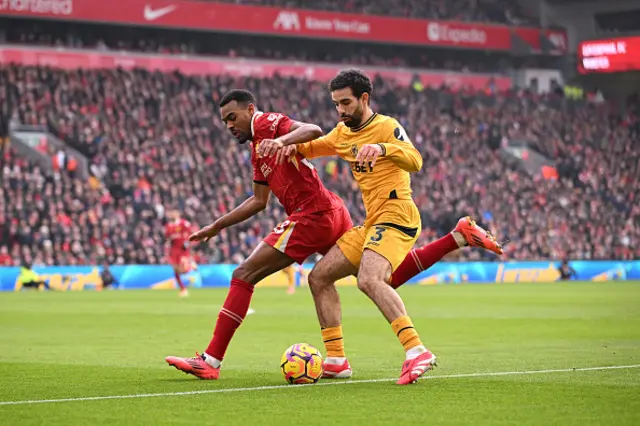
(400, 134)
(275, 118)
(266, 170)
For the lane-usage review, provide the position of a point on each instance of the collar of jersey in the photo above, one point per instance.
(366, 123)
(255, 115)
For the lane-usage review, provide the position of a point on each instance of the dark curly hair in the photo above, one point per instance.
(241, 96)
(355, 79)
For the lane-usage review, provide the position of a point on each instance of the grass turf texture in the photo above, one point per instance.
(83, 344)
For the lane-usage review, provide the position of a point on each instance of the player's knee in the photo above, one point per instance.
(367, 282)
(317, 280)
(244, 273)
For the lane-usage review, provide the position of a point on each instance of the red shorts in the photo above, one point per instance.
(304, 234)
(180, 257)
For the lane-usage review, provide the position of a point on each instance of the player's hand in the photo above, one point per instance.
(269, 147)
(286, 153)
(205, 234)
(369, 153)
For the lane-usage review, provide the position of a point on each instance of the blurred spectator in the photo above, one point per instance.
(5, 257)
(156, 141)
(566, 271)
(499, 11)
(108, 280)
(107, 37)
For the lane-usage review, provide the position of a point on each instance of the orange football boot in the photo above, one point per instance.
(475, 236)
(412, 369)
(196, 366)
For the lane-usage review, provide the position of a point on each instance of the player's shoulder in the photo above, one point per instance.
(265, 123)
(268, 118)
(390, 125)
(387, 121)
(340, 127)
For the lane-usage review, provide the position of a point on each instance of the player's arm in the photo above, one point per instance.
(250, 207)
(320, 147)
(300, 133)
(308, 141)
(168, 237)
(286, 145)
(398, 148)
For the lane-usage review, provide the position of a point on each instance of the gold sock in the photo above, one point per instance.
(333, 342)
(407, 334)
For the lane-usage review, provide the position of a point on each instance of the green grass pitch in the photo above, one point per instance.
(89, 344)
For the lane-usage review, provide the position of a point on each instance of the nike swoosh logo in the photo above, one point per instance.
(152, 15)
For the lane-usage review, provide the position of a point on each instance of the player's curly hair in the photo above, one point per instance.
(239, 95)
(355, 79)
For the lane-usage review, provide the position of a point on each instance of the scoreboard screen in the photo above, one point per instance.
(611, 55)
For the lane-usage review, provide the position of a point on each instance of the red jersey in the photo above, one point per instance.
(177, 233)
(295, 183)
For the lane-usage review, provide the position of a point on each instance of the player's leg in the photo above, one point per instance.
(291, 280)
(193, 267)
(466, 233)
(385, 247)
(264, 261)
(332, 267)
(178, 270)
(373, 277)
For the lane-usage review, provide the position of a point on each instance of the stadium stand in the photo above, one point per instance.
(177, 42)
(500, 11)
(154, 141)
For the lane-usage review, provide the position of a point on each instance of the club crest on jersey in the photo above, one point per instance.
(354, 150)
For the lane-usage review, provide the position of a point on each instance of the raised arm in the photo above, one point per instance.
(250, 207)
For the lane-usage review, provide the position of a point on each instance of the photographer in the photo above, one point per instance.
(28, 278)
(108, 280)
(566, 271)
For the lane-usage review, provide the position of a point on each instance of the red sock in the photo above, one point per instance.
(179, 280)
(230, 317)
(421, 259)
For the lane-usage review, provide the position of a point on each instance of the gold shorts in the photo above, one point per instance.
(392, 235)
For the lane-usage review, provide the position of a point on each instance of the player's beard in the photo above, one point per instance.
(242, 138)
(353, 120)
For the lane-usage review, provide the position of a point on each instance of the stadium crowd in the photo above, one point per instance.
(177, 42)
(498, 11)
(155, 142)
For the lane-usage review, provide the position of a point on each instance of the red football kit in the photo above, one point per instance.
(317, 217)
(177, 232)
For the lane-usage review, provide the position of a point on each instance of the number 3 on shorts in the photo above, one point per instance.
(378, 236)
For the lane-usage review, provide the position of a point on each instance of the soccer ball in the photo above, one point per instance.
(301, 364)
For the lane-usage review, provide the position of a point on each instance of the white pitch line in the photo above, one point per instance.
(331, 383)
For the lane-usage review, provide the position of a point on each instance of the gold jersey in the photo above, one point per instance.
(389, 178)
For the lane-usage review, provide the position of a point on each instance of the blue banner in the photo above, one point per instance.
(69, 278)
